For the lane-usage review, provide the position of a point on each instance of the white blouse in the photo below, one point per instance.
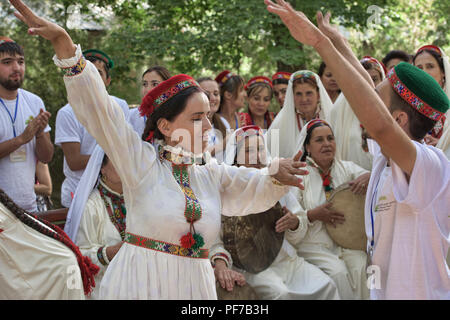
(155, 202)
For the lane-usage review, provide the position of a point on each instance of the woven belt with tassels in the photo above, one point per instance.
(165, 247)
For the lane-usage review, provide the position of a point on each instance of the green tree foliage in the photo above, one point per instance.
(204, 37)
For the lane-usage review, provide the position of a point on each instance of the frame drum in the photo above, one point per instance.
(351, 234)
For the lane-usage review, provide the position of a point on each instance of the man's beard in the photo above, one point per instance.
(11, 85)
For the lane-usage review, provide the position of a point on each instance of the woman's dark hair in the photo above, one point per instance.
(395, 54)
(435, 55)
(169, 110)
(105, 160)
(368, 65)
(321, 69)
(231, 85)
(160, 70)
(87, 268)
(256, 88)
(309, 80)
(11, 48)
(309, 135)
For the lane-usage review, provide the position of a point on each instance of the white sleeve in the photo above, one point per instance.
(429, 180)
(67, 128)
(354, 169)
(217, 251)
(247, 190)
(290, 201)
(105, 121)
(91, 225)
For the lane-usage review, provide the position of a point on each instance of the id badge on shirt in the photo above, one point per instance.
(20, 155)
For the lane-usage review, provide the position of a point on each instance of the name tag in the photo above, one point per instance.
(20, 155)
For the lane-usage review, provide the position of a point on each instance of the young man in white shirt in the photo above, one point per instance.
(24, 130)
(76, 143)
(408, 197)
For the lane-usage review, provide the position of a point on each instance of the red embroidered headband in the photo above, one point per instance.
(303, 74)
(412, 99)
(258, 79)
(224, 76)
(430, 47)
(5, 40)
(315, 121)
(374, 61)
(281, 75)
(164, 92)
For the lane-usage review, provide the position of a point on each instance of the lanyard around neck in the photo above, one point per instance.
(13, 121)
(372, 203)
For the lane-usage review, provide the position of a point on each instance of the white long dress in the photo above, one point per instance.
(156, 203)
(289, 277)
(96, 230)
(34, 266)
(346, 267)
(347, 131)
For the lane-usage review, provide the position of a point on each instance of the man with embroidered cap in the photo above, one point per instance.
(280, 81)
(24, 129)
(408, 197)
(76, 143)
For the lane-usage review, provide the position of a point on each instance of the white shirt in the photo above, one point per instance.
(17, 173)
(137, 121)
(411, 229)
(69, 129)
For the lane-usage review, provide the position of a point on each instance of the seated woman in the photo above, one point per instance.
(259, 95)
(43, 187)
(97, 216)
(288, 276)
(346, 267)
(351, 138)
(38, 260)
(306, 99)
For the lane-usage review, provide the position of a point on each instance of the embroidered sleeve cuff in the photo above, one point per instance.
(72, 66)
(221, 256)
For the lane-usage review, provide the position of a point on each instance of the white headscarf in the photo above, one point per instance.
(285, 123)
(236, 141)
(444, 141)
(88, 181)
(343, 121)
(302, 136)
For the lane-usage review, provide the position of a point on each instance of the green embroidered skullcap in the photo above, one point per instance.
(419, 90)
(100, 55)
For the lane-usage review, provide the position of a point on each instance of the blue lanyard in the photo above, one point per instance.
(13, 121)
(372, 242)
(237, 123)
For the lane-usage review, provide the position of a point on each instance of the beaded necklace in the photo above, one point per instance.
(193, 210)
